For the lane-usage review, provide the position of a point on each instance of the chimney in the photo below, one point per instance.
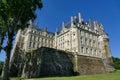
(79, 17)
(56, 29)
(45, 29)
(71, 20)
(101, 30)
(63, 25)
(90, 22)
(36, 25)
(95, 25)
(30, 22)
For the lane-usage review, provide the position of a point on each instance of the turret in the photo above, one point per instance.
(106, 53)
(107, 48)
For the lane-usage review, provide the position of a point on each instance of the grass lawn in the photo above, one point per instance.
(107, 76)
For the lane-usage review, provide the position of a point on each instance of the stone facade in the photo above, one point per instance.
(78, 37)
(32, 38)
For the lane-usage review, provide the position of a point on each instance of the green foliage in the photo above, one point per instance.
(1, 66)
(14, 15)
(116, 62)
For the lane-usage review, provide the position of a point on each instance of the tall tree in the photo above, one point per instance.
(14, 15)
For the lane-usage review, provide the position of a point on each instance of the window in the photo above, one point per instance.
(45, 41)
(81, 39)
(33, 44)
(38, 38)
(93, 43)
(86, 34)
(80, 32)
(63, 45)
(32, 31)
(49, 42)
(34, 37)
(85, 41)
(31, 37)
(98, 45)
(68, 35)
(95, 52)
(90, 42)
(40, 33)
(73, 33)
(38, 45)
(91, 36)
(30, 44)
(86, 50)
(81, 49)
(90, 51)
(67, 42)
(41, 40)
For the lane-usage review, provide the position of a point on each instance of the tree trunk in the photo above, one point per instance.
(5, 71)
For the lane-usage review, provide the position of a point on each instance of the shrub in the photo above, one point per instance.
(116, 62)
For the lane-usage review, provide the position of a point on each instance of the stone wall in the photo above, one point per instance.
(90, 65)
(17, 62)
(45, 62)
(42, 62)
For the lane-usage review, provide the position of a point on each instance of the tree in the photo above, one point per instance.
(14, 15)
(116, 62)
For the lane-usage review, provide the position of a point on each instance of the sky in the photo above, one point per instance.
(107, 12)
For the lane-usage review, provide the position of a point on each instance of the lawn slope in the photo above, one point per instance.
(107, 76)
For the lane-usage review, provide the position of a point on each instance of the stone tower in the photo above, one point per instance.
(107, 57)
(105, 49)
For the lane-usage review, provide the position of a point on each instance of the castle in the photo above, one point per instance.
(78, 37)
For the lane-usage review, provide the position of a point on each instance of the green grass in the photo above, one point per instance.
(107, 76)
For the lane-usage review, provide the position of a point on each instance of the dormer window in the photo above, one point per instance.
(73, 33)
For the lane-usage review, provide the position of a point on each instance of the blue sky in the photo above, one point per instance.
(107, 12)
